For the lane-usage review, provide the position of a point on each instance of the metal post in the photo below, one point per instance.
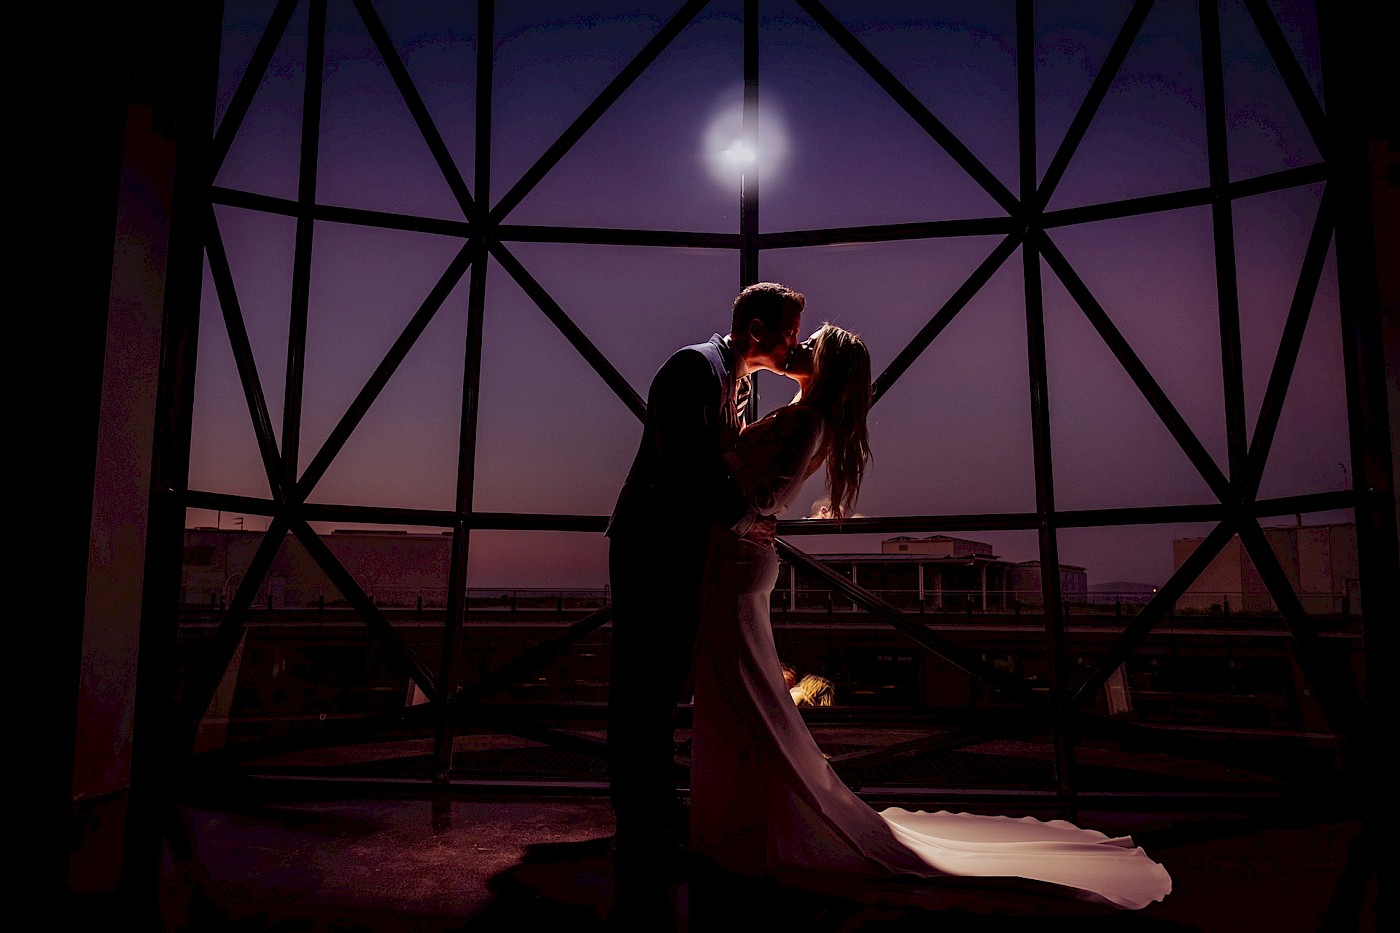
(1361, 152)
(748, 179)
(186, 104)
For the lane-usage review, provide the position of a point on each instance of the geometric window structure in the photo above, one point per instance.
(446, 247)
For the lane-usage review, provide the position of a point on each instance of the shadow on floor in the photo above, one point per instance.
(375, 866)
(571, 886)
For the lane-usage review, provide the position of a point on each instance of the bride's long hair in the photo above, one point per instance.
(840, 389)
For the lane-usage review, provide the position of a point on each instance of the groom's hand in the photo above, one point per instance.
(764, 530)
(728, 435)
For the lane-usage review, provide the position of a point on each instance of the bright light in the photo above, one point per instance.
(739, 153)
(728, 155)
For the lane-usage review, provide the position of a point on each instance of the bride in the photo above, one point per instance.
(765, 802)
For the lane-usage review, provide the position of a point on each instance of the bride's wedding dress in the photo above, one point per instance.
(765, 801)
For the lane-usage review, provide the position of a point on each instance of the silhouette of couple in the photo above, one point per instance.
(692, 568)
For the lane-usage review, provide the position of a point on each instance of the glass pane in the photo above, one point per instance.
(847, 139)
(224, 455)
(1311, 449)
(1271, 239)
(360, 102)
(1126, 564)
(1125, 155)
(552, 435)
(644, 163)
(266, 152)
(1266, 132)
(952, 434)
(969, 85)
(367, 285)
(1154, 276)
(1110, 448)
(1297, 20)
(574, 563)
(1072, 40)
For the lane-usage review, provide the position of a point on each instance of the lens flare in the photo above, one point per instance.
(729, 155)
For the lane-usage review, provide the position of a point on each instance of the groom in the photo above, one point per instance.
(676, 490)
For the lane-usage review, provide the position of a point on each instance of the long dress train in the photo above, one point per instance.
(765, 801)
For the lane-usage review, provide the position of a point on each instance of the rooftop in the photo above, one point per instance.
(278, 856)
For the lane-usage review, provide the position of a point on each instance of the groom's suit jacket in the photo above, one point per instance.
(678, 484)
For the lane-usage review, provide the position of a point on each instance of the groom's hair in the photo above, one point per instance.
(766, 301)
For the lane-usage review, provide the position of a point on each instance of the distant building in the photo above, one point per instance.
(1122, 592)
(936, 546)
(935, 573)
(410, 569)
(1319, 561)
(307, 659)
(1027, 577)
(395, 568)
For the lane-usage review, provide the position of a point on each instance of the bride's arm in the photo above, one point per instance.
(774, 457)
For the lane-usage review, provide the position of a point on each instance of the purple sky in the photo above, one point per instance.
(951, 436)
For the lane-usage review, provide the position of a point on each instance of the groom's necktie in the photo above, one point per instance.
(742, 390)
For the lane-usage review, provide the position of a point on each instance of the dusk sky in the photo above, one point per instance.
(951, 436)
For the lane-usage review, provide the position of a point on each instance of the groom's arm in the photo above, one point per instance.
(685, 407)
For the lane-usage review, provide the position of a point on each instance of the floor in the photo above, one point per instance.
(517, 863)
